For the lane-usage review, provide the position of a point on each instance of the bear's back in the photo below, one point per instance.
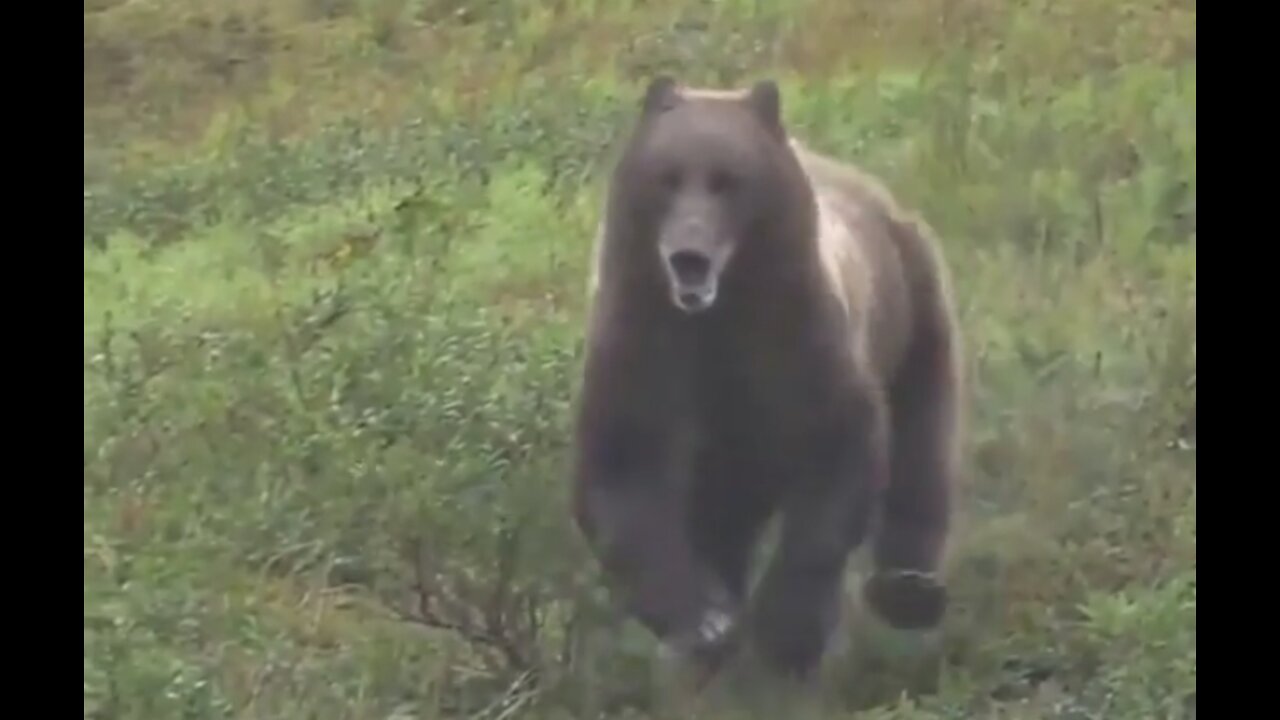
(861, 256)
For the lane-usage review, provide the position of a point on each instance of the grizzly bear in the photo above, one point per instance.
(768, 334)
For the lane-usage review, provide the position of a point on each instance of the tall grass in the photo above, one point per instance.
(335, 259)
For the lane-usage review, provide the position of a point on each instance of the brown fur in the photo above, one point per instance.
(822, 382)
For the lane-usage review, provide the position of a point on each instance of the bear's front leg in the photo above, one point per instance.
(632, 505)
(825, 519)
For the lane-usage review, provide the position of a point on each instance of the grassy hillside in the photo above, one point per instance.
(334, 263)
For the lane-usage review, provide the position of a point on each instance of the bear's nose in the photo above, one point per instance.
(690, 267)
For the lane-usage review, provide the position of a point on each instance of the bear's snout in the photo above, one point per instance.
(693, 276)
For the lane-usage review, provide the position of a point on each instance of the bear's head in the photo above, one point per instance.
(707, 192)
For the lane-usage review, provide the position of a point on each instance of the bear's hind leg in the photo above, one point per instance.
(904, 589)
(825, 519)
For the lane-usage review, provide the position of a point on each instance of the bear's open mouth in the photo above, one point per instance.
(693, 271)
(693, 276)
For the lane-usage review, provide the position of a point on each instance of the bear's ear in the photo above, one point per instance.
(765, 101)
(660, 95)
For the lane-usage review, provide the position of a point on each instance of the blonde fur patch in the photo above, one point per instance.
(844, 261)
(695, 93)
(593, 271)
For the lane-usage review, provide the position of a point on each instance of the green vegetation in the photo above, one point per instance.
(334, 264)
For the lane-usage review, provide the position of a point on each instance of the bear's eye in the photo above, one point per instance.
(720, 182)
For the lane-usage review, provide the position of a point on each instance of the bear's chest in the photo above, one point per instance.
(764, 396)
